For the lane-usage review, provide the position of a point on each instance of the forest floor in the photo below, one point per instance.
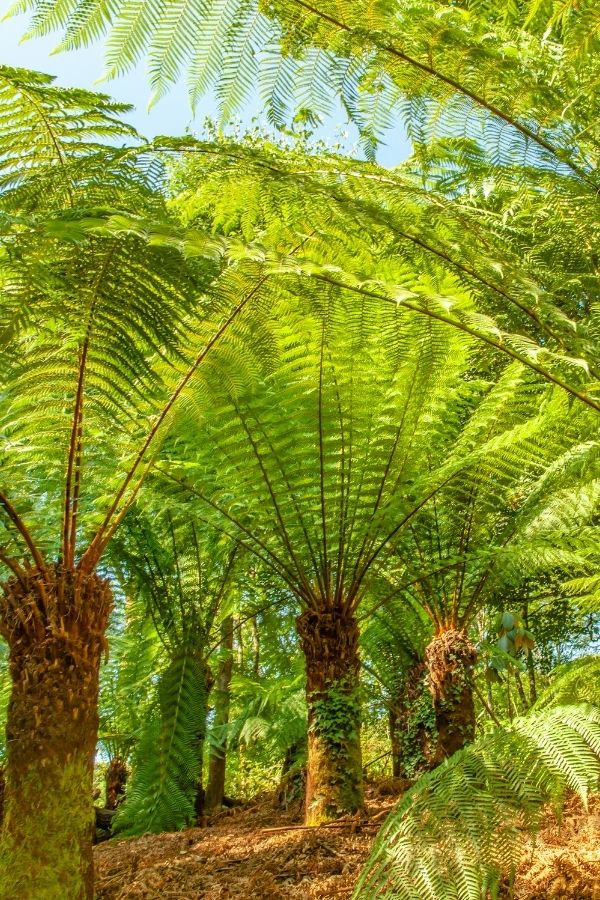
(259, 852)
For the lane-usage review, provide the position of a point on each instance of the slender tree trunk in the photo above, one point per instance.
(521, 692)
(217, 764)
(450, 658)
(509, 703)
(55, 626)
(395, 724)
(255, 648)
(409, 735)
(529, 660)
(334, 787)
(531, 677)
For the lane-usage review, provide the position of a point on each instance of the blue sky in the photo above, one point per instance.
(171, 115)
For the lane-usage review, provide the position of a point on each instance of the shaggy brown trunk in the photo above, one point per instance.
(54, 624)
(334, 786)
(217, 764)
(116, 782)
(450, 658)
(409, 736)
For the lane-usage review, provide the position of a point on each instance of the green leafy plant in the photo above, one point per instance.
(162, 793)
(459, 831)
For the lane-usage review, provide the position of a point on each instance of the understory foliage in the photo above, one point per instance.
(184, 578)
(167, 759)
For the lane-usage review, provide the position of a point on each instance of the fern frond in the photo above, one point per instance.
(577, 681)
(460, 829)
(165, 781)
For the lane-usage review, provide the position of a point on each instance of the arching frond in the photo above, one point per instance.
(460, 829)
(577, 681)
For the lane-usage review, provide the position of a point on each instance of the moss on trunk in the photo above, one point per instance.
(329, 641)
(54, 624)
(450, 658)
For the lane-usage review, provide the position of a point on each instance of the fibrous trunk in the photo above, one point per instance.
(329, 641)
(116, 781)
(217, 764)
(450, 658)
(409, 733)
(54, 623)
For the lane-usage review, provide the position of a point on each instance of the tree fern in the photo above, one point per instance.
(460, 829)
(103, 337)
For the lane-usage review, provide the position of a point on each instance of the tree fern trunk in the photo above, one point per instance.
(329, 641)
(116, 782)
(217, 764)
(409, 734)
(54, 625)
(450, 658)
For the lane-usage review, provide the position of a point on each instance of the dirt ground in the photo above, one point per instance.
(242, 854)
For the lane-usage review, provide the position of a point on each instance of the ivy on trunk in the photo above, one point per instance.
(329, 641)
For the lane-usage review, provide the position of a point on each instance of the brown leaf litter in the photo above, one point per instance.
(258, 852)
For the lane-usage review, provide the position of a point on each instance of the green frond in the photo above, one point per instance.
(135, 656)
(54, 145)
(269, 712)
(461, 828)
(163, 788)
(577, 681)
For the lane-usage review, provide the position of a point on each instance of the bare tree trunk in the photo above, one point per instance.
(54, 624)
(217, 763)
(334, 786)
(521, 692)
(450, 658)
(255, 648)
(529, 660)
